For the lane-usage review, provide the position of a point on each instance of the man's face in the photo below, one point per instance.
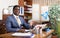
(16, 11)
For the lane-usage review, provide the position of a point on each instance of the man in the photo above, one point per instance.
(13, 24)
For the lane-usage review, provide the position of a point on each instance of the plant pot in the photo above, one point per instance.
(54, 36)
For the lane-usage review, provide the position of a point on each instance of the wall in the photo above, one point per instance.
(36, 12)
(5, 4)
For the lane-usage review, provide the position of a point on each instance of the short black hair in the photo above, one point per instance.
(16, 6)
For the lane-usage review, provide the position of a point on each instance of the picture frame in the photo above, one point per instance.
(44, 13)
(10, 8)
(21, 10)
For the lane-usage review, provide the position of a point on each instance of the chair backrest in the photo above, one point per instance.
(2, 24)
(2, 28)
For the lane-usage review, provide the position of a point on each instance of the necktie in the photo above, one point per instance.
(18, 21)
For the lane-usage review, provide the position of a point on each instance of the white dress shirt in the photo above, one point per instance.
(18, 19)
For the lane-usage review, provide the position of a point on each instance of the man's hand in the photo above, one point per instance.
(22, 30)
(32, 23)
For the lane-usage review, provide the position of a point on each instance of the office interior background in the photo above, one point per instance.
(40, 11)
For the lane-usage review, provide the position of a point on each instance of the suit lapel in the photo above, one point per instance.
(21, 20)
(15, 20)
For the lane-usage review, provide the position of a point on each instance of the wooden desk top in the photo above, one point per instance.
(45, 34)
(8, 35)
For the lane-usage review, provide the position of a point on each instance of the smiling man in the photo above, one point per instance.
(15, 22)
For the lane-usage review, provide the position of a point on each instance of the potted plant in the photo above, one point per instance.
(54, 16)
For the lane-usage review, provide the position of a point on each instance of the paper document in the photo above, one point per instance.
(21, 34)
(33, 35)
(27, 30)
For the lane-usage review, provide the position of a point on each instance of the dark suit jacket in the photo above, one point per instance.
(12, 25)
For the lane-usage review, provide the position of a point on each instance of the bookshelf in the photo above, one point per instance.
(27, 10)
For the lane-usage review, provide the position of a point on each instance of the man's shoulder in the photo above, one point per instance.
(10, 16)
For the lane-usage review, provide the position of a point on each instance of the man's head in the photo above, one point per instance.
(16, 10)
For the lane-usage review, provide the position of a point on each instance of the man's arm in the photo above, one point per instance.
(26, 25)
(8, 26)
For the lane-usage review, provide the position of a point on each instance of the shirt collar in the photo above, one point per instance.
(15, 15)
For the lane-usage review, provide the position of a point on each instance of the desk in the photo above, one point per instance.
(8, 35)
(46, 34)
